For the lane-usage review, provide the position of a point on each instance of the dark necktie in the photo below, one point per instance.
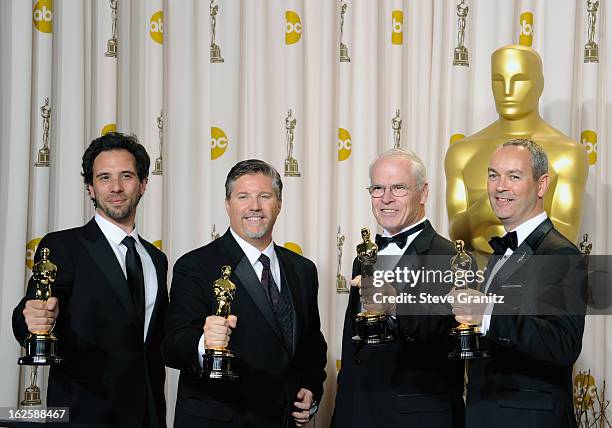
(267, 281)
(399, 239)
(500, 244)
(135, 278)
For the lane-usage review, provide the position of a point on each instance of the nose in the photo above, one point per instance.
(501, 184)
(255, 204)
(387, 197)
(116, 185)
(508, 87)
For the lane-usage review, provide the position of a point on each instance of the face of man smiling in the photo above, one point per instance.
(252, 208)
(392, 212)
(514, 194)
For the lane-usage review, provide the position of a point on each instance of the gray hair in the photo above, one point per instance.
(419, 172)
(253, 166)
(539, 160)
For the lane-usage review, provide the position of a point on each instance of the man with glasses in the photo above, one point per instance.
(409, 382)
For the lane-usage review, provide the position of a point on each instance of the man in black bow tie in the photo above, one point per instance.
(408, 382)
(535, 335)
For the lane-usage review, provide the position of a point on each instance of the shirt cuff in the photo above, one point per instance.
(201, 349)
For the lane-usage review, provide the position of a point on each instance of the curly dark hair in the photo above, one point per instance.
(115, 141)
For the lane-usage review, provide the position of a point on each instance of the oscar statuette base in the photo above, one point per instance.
(217, 364)
(466, 343)
(374, 328)
(41, 350)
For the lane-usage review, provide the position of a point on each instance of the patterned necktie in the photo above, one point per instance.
(501, 243)
(135, 278)
(399, 239)
(267, 281)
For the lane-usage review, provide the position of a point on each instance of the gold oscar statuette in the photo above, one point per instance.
(291, 164)
(42, 159)
(159, 169)
(340, 279)
(111, 44)
(461, 56)
(215, 49)
(217, 361)
(591, 50)
(31, 395)
(41, 346)
(396, 125)
(466, 340)
(371, 327)
(517, 84)
(344, 56)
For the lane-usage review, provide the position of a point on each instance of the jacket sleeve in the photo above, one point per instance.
(190, 301)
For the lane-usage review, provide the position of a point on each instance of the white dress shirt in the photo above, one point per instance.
(252, 254)
(522, 232)
(114, 235)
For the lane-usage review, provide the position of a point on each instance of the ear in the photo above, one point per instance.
(143, 186)
(542, 185)
(90, 190)
(424, 193)
(227, 206)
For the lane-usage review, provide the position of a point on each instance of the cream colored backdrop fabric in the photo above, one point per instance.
(200, 117)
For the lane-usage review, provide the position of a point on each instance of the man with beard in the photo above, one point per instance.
(109, 300)
(280, 353)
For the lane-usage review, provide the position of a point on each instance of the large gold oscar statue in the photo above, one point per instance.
(517, 83)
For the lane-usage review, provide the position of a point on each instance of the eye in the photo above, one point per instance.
(265, 196)
(515, 177)
(492, 176)
(103, 178)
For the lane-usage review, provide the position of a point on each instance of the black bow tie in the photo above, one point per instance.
(399, 239)
(501, 243)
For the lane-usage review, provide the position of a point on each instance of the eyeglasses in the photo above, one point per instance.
(397, 190)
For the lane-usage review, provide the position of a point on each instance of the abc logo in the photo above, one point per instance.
(218, 142)
(111, 127)
(526, 29)
(42, 16)
(345, 144)
(158, 244)
(293, 247)
(30, 251)
(456, 137)
(293, 27)
(156, 27)
(588, 139)
(397, 27)
(584, 390)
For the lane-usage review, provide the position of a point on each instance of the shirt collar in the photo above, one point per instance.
(524, 230)
(112, 232)
(253, 252)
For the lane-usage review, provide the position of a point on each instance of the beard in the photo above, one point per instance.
(119, 213)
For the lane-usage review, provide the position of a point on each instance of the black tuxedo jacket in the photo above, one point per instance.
(270, 374)
(410, 382)
(534, 337)
(110, 377)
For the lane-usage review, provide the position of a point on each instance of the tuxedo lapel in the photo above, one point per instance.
(98, 247)
(522, 254)
(246, 277)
